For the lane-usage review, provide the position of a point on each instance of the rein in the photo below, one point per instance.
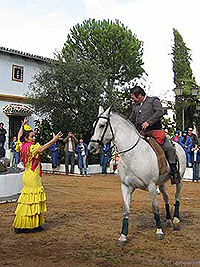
(108, 123)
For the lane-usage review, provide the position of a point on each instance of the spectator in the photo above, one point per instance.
(14, 155)
(195, 161)
(55, 153)
(70, 146)
(187, 144)
(193, 136)
(104, 157)
(3, 133)
(82, 151)
(114, 162)
(176, 137)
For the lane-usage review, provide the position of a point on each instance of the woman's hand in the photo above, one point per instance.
(58, 136)
(25, 121)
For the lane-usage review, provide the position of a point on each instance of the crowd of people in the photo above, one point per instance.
(73, 149)
(190, 143)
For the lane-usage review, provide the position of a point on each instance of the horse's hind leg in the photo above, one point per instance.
(168, 221)
(156, 211)
(176, 219)
(126, 193)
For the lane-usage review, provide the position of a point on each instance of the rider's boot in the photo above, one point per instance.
(174, 174)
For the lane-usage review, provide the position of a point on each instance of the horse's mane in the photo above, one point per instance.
(132, 125)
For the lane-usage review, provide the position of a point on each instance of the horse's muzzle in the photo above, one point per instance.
(94, 148)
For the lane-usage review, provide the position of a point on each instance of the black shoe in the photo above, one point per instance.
(23, 230)
(38, 229)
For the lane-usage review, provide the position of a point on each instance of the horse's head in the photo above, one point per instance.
(103, 132)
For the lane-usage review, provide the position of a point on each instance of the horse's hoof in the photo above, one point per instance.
(160, 236)
(120, 243)
(176, 224)
(168, 223)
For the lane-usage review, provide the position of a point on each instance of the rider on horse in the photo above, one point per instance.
(146, 116)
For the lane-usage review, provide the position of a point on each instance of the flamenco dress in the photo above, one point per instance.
(32, 201)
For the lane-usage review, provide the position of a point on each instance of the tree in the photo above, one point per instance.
(68, 95)
(98, 58)
(183, 77)
(112, 47)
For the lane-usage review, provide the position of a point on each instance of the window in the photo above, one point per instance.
(17, 73)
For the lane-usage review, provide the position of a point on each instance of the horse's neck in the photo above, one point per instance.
(125, 133)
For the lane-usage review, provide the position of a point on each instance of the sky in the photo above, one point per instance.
(41, 27)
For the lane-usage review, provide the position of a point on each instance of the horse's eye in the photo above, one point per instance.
(101, 126)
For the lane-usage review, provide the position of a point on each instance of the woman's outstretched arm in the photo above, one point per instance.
(20, 133)
(47, 145)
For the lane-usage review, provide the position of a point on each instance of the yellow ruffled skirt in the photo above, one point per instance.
(31, 203)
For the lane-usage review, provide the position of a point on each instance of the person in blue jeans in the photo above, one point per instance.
(82, 151)
(55, 152)
(187, 144)
(104, 158)
(14, 155)
(196, 161)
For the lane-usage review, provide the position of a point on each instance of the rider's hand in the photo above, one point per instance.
(145, 125)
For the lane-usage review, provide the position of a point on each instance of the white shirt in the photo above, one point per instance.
(70, 148)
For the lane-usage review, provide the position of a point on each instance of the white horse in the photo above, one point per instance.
(137, 167)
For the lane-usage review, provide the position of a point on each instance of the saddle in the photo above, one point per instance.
(162, 160)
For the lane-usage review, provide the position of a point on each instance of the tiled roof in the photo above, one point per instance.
(23, 54)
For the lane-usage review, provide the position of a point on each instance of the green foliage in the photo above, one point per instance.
(110, 44)
(169, 125)
(112, 47)
(69, 94)
(183, 77)
(45, 136)
(181, 62)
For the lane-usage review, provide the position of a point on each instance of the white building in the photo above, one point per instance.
(16, 72)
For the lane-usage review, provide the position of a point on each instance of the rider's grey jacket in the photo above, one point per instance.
(150, 110)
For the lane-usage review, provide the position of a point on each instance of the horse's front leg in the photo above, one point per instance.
(156, 211)
(168, 221)
(126, 194)
(176, 219)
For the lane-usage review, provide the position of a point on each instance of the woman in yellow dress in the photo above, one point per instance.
(32, 201)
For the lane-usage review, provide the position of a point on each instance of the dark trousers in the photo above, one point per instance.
(69, 159)
(195, 171)
(169, 150)
(104, 163)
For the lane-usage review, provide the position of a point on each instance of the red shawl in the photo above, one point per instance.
(26, 157)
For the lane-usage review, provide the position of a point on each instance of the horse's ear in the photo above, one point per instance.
(101, 110)
(107, 112)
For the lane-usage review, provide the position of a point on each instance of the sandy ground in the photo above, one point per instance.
(83, 222)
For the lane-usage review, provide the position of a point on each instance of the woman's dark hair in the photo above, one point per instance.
(25, 135)
(137, 90)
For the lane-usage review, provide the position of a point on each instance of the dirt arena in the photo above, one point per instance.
(84, 220)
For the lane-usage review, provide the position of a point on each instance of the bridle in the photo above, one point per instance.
(100, 141)
(108, 124)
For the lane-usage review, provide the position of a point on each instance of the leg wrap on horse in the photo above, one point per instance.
(158, 221)
(168, 215)
(125, 226)
(176, 211)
